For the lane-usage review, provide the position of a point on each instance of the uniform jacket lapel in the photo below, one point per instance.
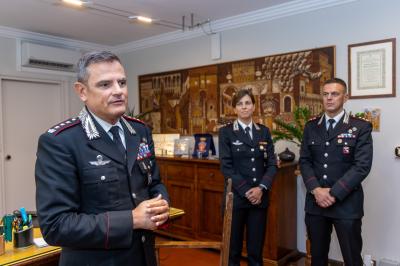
(257, 134)
(240, 134)
(132, 141)
(321, 127)
(105, 145)
(341, 126)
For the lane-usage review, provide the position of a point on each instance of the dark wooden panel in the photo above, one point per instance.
(182, 197)
(179, 171)
(210, 175)
(210, 218)
(197, 186)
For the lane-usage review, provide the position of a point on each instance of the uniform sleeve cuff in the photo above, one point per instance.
(243, 188)
(340, 190)
(119, 229)
(311, 183)
(263, 186)
(267, 181)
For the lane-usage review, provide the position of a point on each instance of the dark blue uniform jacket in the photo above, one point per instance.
(340, 162)
(86, 192)
(248, 163)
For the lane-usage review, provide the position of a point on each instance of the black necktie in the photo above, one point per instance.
(330, 128)
(247, 129)
(117, 140)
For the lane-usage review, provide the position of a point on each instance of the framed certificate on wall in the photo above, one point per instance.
(372, 69)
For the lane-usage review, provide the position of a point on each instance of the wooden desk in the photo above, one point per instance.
(30, 255)
(48, 255)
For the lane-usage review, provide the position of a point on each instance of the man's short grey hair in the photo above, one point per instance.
(337, 81)
(92, 58)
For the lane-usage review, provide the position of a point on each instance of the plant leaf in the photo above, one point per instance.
(292, 131)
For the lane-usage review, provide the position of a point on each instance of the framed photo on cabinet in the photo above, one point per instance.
(372, 69)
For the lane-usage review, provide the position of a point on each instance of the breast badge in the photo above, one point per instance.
(263, 145)
(237, 143)
(99, 161)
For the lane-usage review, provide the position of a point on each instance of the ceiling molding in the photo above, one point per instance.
(39, 37)
(245, 19)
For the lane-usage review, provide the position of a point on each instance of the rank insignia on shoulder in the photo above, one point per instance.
(134, 119)
(360, 118)
(63, 125)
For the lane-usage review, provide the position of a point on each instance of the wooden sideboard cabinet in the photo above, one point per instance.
(197, 186)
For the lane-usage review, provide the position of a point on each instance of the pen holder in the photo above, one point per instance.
(23, 238)
(2, 245)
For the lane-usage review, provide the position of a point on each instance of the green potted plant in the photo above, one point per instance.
(291, 131)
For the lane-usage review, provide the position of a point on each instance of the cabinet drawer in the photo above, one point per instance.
(210, 175)
(179, 172)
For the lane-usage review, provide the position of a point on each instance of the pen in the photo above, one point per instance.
(29, 220)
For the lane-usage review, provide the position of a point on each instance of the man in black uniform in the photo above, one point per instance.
(247, 157)
(335, 157)
(98, 188)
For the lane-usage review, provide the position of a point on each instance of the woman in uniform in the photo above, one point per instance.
(247, 157)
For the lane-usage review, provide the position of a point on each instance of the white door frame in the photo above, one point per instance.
(64, 99)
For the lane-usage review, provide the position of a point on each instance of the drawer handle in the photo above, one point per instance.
(211, 174)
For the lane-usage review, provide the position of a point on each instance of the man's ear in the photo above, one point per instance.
(81, 90)
(346, 97)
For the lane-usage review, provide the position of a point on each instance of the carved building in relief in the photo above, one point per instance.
(197, 100)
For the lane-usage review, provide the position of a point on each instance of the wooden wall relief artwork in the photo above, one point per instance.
(197, 100)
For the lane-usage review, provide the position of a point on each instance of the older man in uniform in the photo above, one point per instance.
(335, 157)
(99, 194)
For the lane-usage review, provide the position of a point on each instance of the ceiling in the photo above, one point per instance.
(50, 17)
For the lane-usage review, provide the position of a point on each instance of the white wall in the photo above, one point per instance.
(8, 68)
(361, 21)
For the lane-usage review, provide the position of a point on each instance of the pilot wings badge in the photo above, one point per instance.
(99, 161)
(237, 143)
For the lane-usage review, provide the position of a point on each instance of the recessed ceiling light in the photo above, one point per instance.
(142, 19)
(76, 2)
